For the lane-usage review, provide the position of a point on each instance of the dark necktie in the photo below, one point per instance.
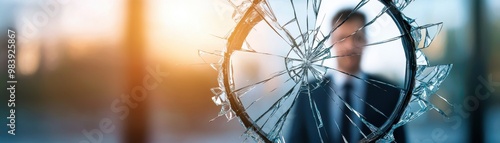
(347, 126)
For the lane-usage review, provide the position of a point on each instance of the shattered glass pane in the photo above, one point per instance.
(295, 71)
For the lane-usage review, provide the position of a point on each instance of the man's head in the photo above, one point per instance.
(351, 47)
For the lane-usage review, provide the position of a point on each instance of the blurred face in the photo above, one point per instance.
(351, 47)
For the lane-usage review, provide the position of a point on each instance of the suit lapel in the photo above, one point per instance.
(320, 96)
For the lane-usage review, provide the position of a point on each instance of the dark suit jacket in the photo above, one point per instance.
(304, 129)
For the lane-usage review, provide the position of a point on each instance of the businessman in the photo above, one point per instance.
(340, 93)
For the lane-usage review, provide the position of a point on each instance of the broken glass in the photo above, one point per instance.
(280, 70)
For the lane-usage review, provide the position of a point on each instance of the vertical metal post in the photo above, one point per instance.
(478, 67)
(136, 126)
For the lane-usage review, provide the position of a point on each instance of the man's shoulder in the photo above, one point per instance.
(378, 82)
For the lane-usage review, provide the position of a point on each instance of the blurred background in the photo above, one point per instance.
(77, 60)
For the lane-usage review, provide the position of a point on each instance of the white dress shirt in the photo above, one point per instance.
(336, 106)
